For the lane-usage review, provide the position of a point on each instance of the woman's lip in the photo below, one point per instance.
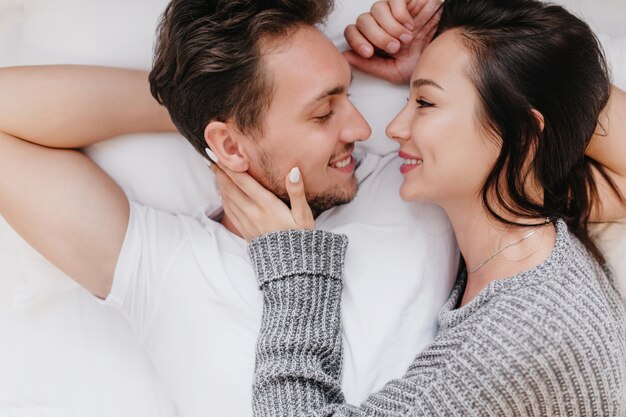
(406, 168)
(405, 155)
(410, 162)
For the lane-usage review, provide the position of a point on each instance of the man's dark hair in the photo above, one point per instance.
(208, 59)
(527, 55)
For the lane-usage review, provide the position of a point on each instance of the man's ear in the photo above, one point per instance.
(224, 141)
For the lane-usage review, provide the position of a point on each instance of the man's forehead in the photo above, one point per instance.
(308, 67)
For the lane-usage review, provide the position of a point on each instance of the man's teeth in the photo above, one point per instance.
(344, 163)
(411, 161)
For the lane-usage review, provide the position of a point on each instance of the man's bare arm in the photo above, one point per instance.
(61, 202)
(608, 146)
(70, 106)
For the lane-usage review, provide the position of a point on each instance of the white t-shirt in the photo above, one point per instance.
(188, 288)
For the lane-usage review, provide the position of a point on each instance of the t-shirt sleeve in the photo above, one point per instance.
(152, 241)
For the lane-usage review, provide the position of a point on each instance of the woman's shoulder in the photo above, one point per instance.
(569, 280)
(567, 305)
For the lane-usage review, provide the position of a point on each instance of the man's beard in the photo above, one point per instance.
(332, 197)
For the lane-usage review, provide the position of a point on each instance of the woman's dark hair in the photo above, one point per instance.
(528, 55)
(208, 59)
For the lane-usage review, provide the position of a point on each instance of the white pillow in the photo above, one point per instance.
(11, 18)
(615, 48)
(114, 32)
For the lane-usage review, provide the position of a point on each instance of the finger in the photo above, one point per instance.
(358, 42)
(229, 189)
(259, 194)
(426, 33)
(300, 209)
(377, 36)
(237, 218)
(432, 29)
(401, 12)
(423, 12)
(376, 66)
(433, 23)
(213, 166)
(381, 11)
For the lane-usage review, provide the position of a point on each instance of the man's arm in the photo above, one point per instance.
(71, 106)
(608, 147)
(57, 199)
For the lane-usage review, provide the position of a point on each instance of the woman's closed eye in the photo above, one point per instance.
(423, 103)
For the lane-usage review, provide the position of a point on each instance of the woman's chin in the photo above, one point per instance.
(410, 194)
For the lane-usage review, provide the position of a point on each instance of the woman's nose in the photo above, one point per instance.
(400, 127)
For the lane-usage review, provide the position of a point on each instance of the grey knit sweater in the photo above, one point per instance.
(546, 342)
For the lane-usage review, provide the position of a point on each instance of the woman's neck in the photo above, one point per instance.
(493, 250)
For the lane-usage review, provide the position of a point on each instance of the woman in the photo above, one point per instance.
(503, 105)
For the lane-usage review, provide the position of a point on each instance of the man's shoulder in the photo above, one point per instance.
(162, 229)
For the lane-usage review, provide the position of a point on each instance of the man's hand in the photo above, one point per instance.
(388, 41)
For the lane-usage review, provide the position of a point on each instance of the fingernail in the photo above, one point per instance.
(409, 26)
(211, 155)
(365, 50)
(393, 47)
(294, 175)
(208, 163)
(406, 38)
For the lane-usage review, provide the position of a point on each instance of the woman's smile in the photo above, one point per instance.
(409, 162)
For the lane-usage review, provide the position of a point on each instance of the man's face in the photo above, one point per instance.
(311, 124)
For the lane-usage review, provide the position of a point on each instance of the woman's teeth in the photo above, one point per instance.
(411, 161)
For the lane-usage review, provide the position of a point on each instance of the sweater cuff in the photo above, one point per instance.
(281, 254)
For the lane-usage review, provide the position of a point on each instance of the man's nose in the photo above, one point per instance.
(356, 128)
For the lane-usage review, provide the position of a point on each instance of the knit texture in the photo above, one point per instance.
(546, 342)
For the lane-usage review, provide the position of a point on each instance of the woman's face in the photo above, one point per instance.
(446, 153)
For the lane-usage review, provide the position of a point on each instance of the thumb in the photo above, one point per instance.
(300, 210)
(376, 66)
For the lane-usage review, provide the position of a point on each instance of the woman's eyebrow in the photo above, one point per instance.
(421, 82)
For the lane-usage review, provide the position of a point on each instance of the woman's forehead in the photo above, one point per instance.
(444, 62)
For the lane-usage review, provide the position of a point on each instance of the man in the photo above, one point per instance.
(276, 99)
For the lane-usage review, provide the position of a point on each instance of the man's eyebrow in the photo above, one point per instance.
(340, 89)
(420, 82)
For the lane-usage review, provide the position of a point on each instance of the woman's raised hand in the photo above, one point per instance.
(255, 211)
(388, 40)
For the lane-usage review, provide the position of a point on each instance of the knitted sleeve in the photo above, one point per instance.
(298, 355)
(299, 350)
